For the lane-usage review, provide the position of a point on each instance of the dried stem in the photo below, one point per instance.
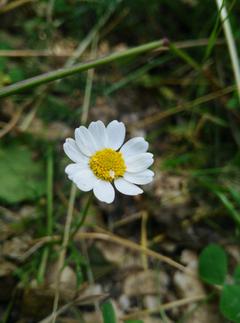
(166, 306)
(134, 246)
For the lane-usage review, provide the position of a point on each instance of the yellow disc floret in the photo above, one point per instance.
(107, 164)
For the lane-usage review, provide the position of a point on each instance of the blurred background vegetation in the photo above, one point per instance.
(181, 97)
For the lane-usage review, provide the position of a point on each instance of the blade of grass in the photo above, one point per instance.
(221, 193)
(229, 206)
(185, 106)
(214, 34)
(185, 57)
(91, 35)
(136, 74)
(64, 72)
(230, 42)
(108, 313)
(89, 83)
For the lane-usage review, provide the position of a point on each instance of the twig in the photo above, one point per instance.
(69, 52)
(12, 123)
(134, 246)
(166, 306)
(16, 117)
(108, 236)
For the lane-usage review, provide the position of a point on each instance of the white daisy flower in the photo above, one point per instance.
(101, 160)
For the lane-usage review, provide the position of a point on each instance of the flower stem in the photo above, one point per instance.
(83, 216)
(67, 228)
(63, 249)
(63, 72)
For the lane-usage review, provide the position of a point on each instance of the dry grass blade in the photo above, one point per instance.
(135, 247)
(64, 52)
(185, 106)
(166, 306)
(78, 301)
(11, 124)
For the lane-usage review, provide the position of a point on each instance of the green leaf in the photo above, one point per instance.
(230, 302)
(236, 275)
(22, 178)
(108, 313)
(213, 265)
(134, 321)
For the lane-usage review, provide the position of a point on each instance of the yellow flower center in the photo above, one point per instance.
(107, 164)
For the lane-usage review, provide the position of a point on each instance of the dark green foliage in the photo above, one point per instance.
(236, 275)
(230, 302)
(108, 313)
(213, 265)
(213, 270)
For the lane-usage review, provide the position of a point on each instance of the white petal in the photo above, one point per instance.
(85, 141)
(73, 169)
(104, 191)
(85, 180)
(98, 131)
(141, 178)
(72, 151)
(127, 188)
(134, 146)
(116, 134)
(139, 162)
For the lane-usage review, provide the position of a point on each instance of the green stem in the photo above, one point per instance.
(45, 254)
(184, 56)
(63, 250)
(63, 72)
(50, 192)
(230, 207)
(83, 216)
(6, 314)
